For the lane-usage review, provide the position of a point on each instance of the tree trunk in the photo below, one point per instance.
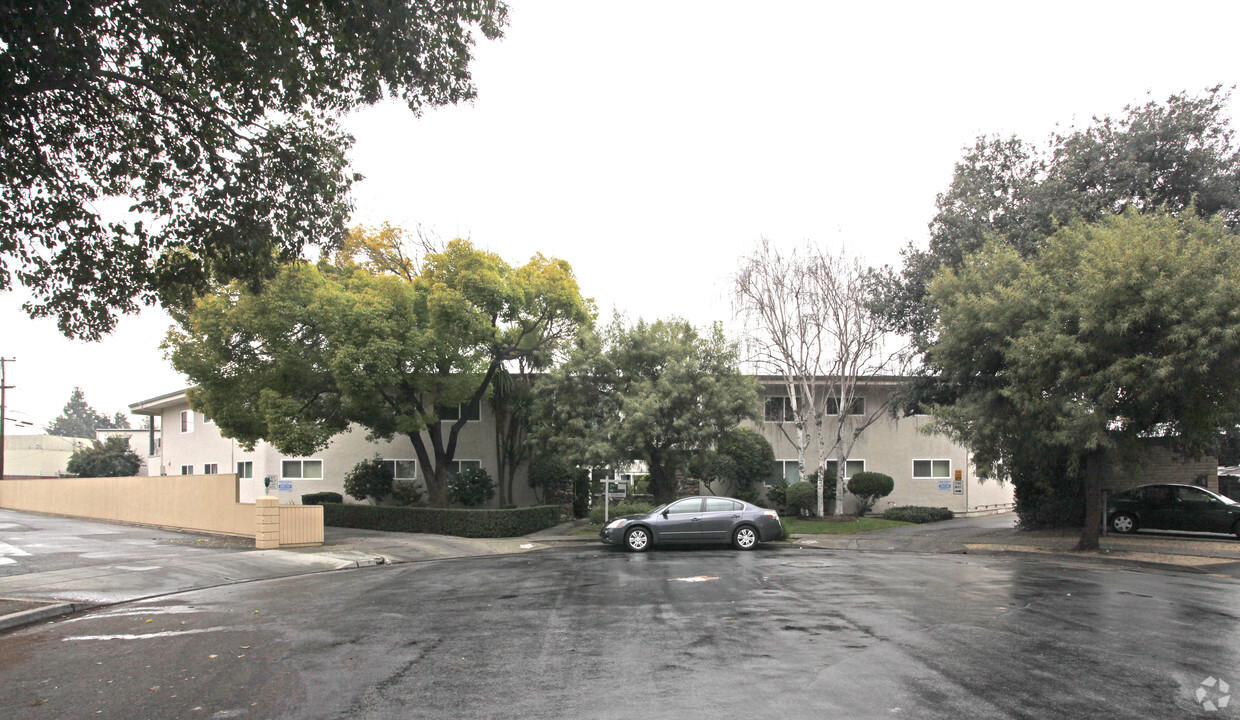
(841, 467)
(1092, 530)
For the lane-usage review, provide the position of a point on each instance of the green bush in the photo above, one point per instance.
(777, 494)
(443, 521)
(618, 509)
(471, 487)
(406, 494)
(802, 498)
(319, 498)
(369, 479)
(917, 514)
(869, 487)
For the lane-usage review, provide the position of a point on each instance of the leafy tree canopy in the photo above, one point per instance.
(1174, 157)
(1119, 330)
(742, 458)
(324, 347)
(212, 122)
(79, 419)
(658, 393)
(110, 458)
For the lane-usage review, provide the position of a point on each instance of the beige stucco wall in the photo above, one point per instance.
(206, 503)
(39, 455)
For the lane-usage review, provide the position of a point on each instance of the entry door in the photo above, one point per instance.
(683, 522)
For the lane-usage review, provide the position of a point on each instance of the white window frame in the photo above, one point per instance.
(403, 460)
(460, 410)
(187, 422)
(783, 466)
(932, 476)
(456, 465)
(302, 465)
(187, 469)
(211, 469)
(242, 466)
(846, 463)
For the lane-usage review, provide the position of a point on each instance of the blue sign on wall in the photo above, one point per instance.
(945, 485)
(284, 485)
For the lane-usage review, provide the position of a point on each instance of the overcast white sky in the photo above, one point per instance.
(650, 143)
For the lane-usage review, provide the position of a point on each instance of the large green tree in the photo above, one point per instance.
(657, 393)
(1175, 156)
(79, 419)
(212, 122)
(1114, 333)
(389, 347)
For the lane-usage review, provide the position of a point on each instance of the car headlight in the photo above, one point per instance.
(616, 523)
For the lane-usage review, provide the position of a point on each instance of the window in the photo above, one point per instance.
(187, 421)
(187, 469)
(471, 411)
(245, 470)
(721, 505)
(932, 469)
(779, 409)
(685, 507)
(301, 469)
(788, 471)
(403, 469)
(857, 407)
(459, 465)
(211, 469)
(851, 467)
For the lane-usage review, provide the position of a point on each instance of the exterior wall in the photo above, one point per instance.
(39, 456)
(1156, 464)
(204, 444)
(206, 503)
(889, 446)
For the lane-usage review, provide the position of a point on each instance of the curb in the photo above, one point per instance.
(49, 610)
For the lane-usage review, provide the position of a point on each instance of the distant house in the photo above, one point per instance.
(928, 469)
(39, 456)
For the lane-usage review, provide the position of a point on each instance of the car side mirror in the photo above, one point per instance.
(664, 514)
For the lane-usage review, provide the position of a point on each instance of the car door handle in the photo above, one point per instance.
(696, 519)
(736, 516)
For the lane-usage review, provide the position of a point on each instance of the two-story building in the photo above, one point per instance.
(928, 469)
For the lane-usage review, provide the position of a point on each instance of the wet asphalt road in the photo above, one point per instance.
(596, 633)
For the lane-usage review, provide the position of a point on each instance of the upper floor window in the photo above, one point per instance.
(471, 411)
(856, 408)
(245, 469)
(778, 409)
(187, 421)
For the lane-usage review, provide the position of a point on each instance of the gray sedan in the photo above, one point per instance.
(696, 520)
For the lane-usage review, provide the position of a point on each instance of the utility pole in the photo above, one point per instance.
(3, 387)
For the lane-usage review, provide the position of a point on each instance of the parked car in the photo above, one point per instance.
(696, 520)
(1173, 507)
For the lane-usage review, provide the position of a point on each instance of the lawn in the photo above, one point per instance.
(829, 526)
(808, 526)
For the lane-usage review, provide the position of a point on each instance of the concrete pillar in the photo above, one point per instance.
(267, 523)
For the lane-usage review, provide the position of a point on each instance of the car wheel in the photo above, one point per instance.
(637, 539)
(745, 537)
(1123, 523)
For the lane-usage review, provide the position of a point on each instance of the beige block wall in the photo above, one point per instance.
(206, 503)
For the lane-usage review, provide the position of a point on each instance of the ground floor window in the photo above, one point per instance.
(301, 469)
(788, 471)
(211, 469)
(932, 469)
(851, 467)
(187, 469)
(403, 469)
(459, 466)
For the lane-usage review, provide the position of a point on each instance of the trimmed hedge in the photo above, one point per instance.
(443, 521)
(918, 514)
(319, 498)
